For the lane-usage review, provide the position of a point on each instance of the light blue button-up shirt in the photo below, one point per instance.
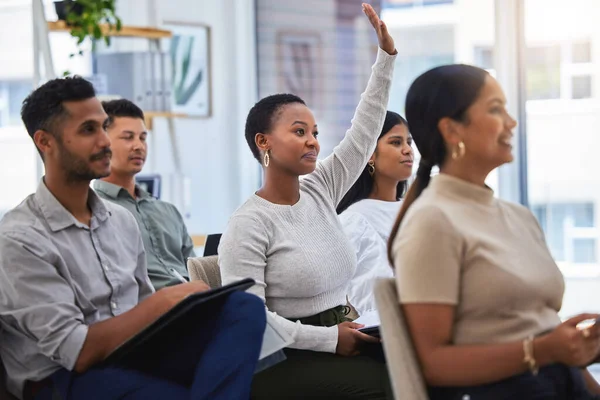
(59, 276)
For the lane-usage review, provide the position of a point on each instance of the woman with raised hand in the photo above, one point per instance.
(477, 283)
(288, 238)
(370, 207)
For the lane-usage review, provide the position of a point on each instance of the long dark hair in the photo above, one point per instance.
(446, 91)
(364, 185)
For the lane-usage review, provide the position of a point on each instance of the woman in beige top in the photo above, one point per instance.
(477, 283)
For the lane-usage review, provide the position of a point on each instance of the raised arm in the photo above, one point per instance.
(428, 283)
(242, 254)
(339, 171)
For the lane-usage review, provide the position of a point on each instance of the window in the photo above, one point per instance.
(484, 57)
(12, 93)
(414, 3)
(581, 87)
(562, 119)
(426, 37)
(543, 72)
(559, 71)
(581, 52)
(567, 227)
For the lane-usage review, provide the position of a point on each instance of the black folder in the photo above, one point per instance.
(165, 328)
(371, 331)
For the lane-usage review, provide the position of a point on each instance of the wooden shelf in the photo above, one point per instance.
(150, 115)
(163, 114)
(198, 240)
(126, 31)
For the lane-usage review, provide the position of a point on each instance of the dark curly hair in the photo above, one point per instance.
(121, 108)
(261, 117)
(43, 109)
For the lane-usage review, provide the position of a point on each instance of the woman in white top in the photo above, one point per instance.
(288, 238)
(370, 207)
(477, 283)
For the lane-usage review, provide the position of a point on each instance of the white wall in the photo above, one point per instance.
(213, 153)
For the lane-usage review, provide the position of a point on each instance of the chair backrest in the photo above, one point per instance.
(211, 247)
(403, 366)
(205, 269)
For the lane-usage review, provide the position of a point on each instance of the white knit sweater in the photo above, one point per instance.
(299, 255)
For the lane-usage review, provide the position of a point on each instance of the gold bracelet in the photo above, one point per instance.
(529, 358)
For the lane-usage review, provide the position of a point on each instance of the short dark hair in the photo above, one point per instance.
(261, 117)
(121, 108)
(364, 184)
(43, 109)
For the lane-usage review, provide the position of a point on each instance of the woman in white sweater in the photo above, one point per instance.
(370, 207)
(477, 283)
(288, 238)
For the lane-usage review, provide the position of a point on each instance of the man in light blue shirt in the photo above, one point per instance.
(166, 240)
(74, 286)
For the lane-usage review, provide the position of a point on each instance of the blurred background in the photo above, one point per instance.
(219, 57)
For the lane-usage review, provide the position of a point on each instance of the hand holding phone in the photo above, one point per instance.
(587, 325)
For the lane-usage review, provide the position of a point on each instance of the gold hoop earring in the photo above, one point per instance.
(459, 151)
(266, 159)
(371, 167)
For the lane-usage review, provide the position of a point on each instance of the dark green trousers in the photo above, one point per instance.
(315, 375)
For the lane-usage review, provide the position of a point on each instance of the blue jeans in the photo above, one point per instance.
(214, 360)
(553, 382)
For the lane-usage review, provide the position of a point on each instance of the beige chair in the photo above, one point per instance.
(205, 269)
(403, 366)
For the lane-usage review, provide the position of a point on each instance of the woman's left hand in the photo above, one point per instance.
(386, 42)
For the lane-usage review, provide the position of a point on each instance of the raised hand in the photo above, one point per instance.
(386, 42)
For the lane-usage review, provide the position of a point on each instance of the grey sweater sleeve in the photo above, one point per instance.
(338, 172)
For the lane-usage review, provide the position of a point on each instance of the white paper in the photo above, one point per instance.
(274, 339)
(369, 319)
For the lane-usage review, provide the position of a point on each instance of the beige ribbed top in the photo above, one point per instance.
(459, 245)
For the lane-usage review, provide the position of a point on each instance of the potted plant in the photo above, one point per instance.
(64, 7)
(86, 17)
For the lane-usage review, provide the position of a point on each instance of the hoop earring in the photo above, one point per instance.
(371, 167)
(266, 159)
(458, 152)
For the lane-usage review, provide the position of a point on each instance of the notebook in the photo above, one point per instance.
(154, 335)
(370, 320)
(166, 328)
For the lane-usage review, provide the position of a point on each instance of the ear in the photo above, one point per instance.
(451, 130)
(373, 156)
(262, 141)
(43, 140)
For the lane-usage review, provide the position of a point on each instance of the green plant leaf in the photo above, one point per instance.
(190, 90)
(87, 24)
